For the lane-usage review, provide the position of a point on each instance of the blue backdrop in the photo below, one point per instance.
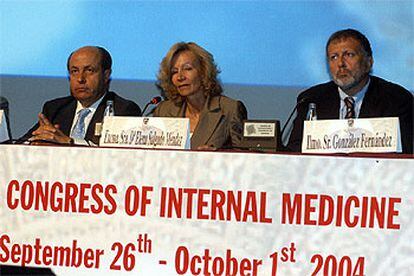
(254, 42)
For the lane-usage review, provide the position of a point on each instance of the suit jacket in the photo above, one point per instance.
(220, 124)
(62, 111)
(382, 99)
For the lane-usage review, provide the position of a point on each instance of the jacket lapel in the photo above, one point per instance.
(97, 118)
(370, 103)
(66, 117)
(329, 104)
(209, 119)
(176, 110)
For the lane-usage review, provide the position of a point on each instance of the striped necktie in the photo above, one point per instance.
(78, 131)
(350, 111)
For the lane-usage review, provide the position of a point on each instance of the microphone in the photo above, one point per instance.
(300, 102)
(154, 100)
(4, 105)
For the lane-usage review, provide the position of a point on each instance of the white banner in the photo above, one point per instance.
(352, 135)
(99, 211)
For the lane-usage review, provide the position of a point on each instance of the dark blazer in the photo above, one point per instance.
(61, 111)
(382, 99)
(220, 124)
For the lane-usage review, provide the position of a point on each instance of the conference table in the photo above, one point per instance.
(116, 211)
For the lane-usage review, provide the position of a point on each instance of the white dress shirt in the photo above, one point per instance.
(358, 98)
(88, 119)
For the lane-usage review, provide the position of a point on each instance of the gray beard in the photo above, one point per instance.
(346, 86)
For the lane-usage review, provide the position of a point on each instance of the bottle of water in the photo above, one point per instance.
(311, 115)
(109, 110)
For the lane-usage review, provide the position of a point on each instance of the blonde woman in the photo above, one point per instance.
(188, 77)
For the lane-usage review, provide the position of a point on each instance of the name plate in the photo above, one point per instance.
(145, 132)
(4, 135)
(259, 129)
(352, 135)
(261, 135)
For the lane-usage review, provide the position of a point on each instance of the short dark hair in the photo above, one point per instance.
(351, 33)
(106, 59)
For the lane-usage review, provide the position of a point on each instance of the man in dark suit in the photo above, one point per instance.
(89, 71)
(353, 92)
(89, 77)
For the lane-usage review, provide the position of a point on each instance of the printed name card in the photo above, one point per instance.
(4, 136)
(352, 135)
(145, 132)
(259, 128)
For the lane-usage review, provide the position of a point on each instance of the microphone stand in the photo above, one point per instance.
(301, 101)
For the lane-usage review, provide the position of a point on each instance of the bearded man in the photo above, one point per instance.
(353, 91)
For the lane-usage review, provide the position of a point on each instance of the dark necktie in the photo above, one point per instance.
(350, 104)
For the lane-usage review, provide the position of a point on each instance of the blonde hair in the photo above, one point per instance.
(208, 70)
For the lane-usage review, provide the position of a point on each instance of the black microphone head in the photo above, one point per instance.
(4, 104)
(303, 100)
(156, 100)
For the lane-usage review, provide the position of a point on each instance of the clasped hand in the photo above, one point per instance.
(48, 133)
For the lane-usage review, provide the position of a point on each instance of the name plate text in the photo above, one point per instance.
(352, 135)
(145, 132)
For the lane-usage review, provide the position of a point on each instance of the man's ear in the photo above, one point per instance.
(369, 63)
(107, 75)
